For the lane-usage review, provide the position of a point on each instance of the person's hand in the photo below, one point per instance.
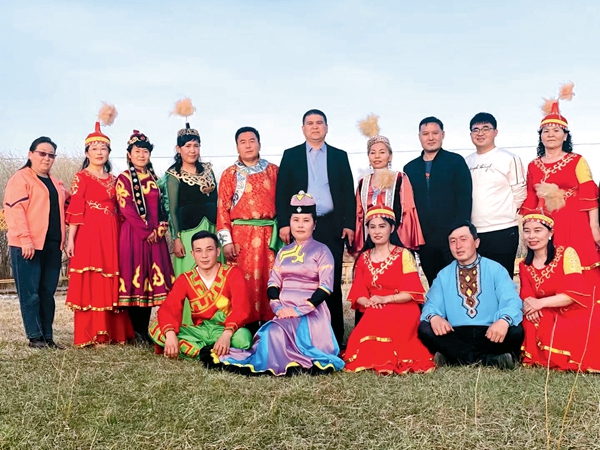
(348, 233)
(171, 345)
(286, 313)
(497, 331)
(221, 347)
(440, 326)
(70, 249)
(534, 317)
(152, 237)
(28, 251)
(596, 235)
(284, 234)
(531, 304)
(178, 248)
(230, 252)
(377, 301)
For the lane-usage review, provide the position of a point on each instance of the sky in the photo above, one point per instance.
(264, 63)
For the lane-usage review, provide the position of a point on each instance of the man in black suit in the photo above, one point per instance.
(324, 172)
(442, 189)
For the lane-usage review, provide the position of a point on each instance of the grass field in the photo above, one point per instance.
(124, 397)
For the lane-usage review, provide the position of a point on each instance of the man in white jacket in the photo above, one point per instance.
(499, 189)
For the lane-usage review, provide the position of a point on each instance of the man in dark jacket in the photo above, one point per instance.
(324, 172)
(443, 191)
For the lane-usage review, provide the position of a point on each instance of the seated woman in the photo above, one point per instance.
(218, 302)
(560, 324)
(387, 288)
(300, 337)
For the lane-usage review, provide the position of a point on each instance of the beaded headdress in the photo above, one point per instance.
(380, 211)
(369, 127)
(541, 217)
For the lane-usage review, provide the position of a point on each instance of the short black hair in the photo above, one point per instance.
(247, 130)
(463, 223)
(483, 117)
(431, 119)
(203, 235)
(34, 145)
(310, 112)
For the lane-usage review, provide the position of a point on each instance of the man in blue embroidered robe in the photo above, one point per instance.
(473, 311)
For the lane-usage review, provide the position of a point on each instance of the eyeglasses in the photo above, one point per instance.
(44, 154)
(484, 130)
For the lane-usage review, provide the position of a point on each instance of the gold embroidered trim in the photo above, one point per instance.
(375, 338)
(556, 167)
(105, 209)
(204, 180)
(394, 254)
(547, 271)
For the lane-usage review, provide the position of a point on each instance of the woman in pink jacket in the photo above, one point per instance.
(34, 207)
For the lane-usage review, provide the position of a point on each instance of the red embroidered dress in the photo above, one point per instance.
(560, 337)
(571, 222)
(94, 268)
(385, 340)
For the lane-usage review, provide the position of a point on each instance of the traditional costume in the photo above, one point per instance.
(566, 338)
(396, 192)
(215, 307)
(146, 272)
(385, 340)
(302, 279)
(190, 199)
(565, 189)
(471, 298)
(246, 218)
(94, 268)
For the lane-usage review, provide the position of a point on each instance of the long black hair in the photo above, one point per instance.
(34, 145)
(181, 141)
(567, 145)
(551, 252)
(86, 161)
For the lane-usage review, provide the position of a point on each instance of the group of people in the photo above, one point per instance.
(255, 281)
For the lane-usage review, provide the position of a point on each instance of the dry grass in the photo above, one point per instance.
(125, 397)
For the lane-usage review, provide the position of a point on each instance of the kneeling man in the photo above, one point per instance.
(218, 301)
(473, 311)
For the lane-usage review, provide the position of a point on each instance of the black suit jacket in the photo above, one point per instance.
(293, 177)
(450, 195)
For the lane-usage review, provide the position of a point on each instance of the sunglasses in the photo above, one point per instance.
(44, 154)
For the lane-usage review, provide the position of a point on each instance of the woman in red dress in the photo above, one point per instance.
(560, 182)
(92, 247)
(387, 288)
(560, 319)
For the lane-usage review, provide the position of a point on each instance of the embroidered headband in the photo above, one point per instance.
(381, 211)
(539, 218)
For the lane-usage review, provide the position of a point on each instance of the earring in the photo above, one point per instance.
(390, 165)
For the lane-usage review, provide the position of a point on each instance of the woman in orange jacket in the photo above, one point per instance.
(34, 207)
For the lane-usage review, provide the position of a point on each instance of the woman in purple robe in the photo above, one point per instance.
(300, 337)
(146, 273)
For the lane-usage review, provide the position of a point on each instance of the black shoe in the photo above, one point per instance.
(439, 360)
(503, 362)
(54, 345)
(38, 343)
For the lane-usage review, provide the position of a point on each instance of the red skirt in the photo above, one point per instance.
(385, 340)
(561, 340)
